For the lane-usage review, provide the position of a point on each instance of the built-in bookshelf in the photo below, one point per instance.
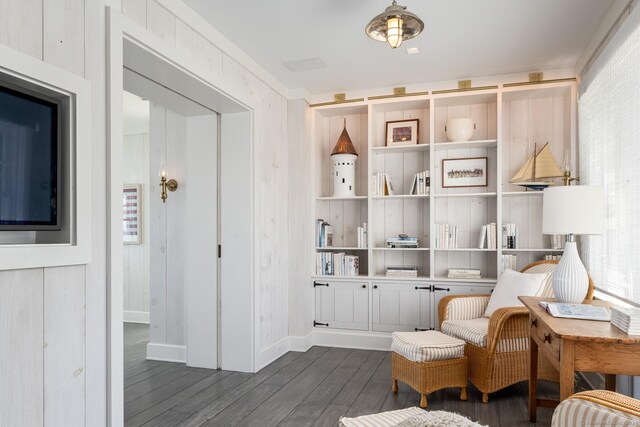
(508, 120)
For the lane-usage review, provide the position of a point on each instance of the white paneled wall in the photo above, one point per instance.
(71, 35)
(136, 257)
(168, 227)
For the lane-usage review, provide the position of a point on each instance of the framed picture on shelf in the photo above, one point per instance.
(131, 225)
(402, 132)
(468, 172)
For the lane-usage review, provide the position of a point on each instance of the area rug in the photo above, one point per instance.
(409, 417)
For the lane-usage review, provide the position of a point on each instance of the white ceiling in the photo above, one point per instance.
(462, 38)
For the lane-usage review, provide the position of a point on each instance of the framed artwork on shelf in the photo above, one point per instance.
(467, 172)
(402, 132)
(131, 225)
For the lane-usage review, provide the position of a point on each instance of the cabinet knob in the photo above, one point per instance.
(534, 323)
(375, 286)
(547, 338)
(364, 286)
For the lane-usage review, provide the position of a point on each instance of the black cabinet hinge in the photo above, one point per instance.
(319, 324)
(435, 288)
(426, 288)
(219, 251)
(316, 284)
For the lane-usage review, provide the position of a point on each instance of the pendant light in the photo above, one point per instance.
(394, 25)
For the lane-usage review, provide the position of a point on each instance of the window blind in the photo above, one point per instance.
(609, 156)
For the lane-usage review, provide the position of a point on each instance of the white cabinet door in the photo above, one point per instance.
(342, 305)
(401, 306)
(441, 290)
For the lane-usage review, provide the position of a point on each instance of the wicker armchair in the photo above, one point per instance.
(499, 355)
(597, 407)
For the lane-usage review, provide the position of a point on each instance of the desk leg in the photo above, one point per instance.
(567, 369)
(533, 380)
(610, 382)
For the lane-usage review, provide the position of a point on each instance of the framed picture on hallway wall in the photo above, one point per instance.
(131, 204)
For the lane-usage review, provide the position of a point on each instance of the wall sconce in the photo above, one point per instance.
(171, 184)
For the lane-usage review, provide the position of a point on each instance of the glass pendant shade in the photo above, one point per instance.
(394, 32)
(394, 25)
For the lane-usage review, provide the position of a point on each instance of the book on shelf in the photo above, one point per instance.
(509, 236)
(509, 262)
(488, 237)
(446, 236)
(382, 185)
(337, 264)
(552, 257)
(324, 234)
(464, 276)
(420, 184)
(362, 236)
(627, 319)
(401, 272)
(576, 311)
(402, 241)
(472, 271)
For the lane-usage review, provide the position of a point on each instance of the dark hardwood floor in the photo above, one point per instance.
(299, 389)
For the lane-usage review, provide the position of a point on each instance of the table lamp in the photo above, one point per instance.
(572, 210)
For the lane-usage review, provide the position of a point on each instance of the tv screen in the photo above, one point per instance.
(29, 156)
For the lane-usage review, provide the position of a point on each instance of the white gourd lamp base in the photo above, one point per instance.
(570, 280)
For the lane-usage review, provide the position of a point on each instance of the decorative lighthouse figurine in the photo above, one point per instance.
(344, 158)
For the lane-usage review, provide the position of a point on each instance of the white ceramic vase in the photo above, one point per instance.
(570, 280)
(460, 129)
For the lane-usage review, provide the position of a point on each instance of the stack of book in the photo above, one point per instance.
(337, 264)
(402, 241)
(488, 237)
(464, 273)
(552, 257)
(402, 272)
(509, 262)
(626, 319)
(509, 236)
(421, 183)
(324, 234)
(446, 236)
(362, 236)
(382, 185)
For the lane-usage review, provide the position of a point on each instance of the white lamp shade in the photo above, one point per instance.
(577, 209)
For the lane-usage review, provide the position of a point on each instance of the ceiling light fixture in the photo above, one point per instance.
(394, 25)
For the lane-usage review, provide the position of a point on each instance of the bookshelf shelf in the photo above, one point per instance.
(522, 193)
(463, 195)
(400, 279)
(403, 149)
(332, 199)
(464, 250)
(489, 143)
(401, 196)
(340, 248)
(483, 280)
(532, 250)
(399, 249)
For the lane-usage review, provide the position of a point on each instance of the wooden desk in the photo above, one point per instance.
(577, 345)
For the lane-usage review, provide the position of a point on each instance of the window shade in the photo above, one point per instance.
(609, 153)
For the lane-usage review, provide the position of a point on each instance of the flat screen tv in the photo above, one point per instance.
(29, 160)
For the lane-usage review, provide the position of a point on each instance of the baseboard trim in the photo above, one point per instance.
(167, 353)
(271, 353)
(297, 343)
(135, 317)
(352, 339)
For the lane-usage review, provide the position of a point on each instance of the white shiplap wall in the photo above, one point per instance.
(71, 34)
(136, 257)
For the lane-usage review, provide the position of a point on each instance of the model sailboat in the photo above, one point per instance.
(539, 166)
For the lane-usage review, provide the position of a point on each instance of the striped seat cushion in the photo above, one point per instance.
(574, 412)
(546, 290)
(475, 331)
(427, 346)
(383, 419)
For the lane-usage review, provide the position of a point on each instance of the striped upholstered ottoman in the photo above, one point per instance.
(428, 361)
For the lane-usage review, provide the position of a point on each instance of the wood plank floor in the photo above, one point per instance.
(313, 388)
